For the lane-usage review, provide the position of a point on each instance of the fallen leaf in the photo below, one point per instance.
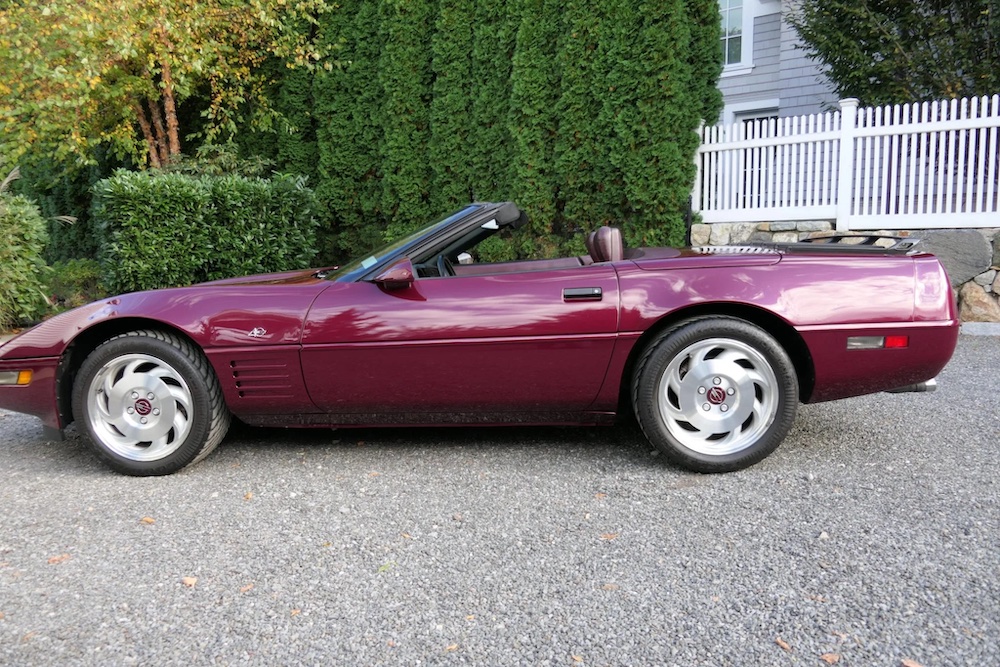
(361, 443)
(391, 644)
(609, 536)
(451, 647)
(374, 474)
(407, 536)
(2, 615)
(62, 558)
(327, 544)
(189, 581)
(817, 598)
(29, 636)
(911, 663)
(248, 495)
(841, 635)
(600, 496)
(148, 520)
(830, 658)
(296, 612)
(577, 658)
(246, 589)
(609, 587)
(470, 617)
(782, 643)
(386, 567)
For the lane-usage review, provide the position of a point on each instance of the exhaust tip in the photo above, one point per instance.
(920, 387)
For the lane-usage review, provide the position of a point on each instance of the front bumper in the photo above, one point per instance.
(37, 398)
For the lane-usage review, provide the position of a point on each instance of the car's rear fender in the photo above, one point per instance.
(630, 348)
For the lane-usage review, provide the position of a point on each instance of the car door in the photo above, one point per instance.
(531, 342)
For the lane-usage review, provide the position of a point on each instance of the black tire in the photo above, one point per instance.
(150, 403)
(715, 394)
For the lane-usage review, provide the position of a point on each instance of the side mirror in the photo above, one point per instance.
(397, 276)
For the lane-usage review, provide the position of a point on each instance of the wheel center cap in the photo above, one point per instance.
(716, 396)
(143, 407)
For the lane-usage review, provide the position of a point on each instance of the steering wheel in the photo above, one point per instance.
(444, 266)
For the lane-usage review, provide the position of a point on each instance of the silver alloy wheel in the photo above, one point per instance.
(718, 396)
(140, 407)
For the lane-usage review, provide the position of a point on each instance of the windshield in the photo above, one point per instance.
(353, 269)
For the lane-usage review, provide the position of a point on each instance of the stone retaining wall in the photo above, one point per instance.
(971, 256)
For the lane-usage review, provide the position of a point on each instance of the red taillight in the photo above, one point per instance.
(878, 342)
(897, 341)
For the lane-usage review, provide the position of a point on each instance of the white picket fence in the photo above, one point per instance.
(913, 166)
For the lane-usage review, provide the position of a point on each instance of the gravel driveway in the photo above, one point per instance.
(871, 537)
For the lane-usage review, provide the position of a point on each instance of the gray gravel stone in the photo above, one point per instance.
(573, 544)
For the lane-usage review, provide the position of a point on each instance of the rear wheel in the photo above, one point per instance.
(715, 394)
(150, 403)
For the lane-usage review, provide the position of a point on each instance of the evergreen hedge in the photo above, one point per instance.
(583, 113)
(161, 229)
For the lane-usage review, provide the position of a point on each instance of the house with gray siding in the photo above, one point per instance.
(766, 75)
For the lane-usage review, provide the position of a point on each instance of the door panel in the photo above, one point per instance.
(501, 343)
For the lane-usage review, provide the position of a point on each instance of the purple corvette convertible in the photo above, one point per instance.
(711, 348)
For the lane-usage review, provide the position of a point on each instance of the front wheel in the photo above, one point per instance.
(715, 394)
(150, 403)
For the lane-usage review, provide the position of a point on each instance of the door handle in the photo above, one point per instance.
(583, 294)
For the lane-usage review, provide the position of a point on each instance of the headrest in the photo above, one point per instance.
(608, 245)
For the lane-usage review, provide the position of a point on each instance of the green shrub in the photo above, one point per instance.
(161, 229)
(261, 226)
(74, 282)
(23, 230)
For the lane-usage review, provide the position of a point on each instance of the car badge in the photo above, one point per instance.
(258, 332)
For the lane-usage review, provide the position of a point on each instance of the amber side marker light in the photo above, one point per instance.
(19, 378)
(878, 342)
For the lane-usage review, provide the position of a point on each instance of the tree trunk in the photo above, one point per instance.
(147, 133)
(161, 132)
(170, 108)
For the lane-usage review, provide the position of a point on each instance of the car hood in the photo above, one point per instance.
(302, 276)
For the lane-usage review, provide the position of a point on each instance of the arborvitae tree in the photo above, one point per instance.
(585, 115)
(406, 78)
(657, 119)
(532, 119)
(704, 55)
(583, 171)
(297, 150)
(496, 29)
(348, 119)
(451, 108)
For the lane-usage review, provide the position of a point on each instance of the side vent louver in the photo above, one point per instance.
(261, 378)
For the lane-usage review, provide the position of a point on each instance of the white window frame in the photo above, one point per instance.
(751, 10)
(749, 110)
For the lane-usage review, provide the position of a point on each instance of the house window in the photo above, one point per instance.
(732, 31)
